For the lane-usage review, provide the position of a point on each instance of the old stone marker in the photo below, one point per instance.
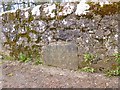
(63, 55)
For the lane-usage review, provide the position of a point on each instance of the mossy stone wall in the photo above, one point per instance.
(94, 32)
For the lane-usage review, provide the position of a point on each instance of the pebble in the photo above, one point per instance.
(1, 57)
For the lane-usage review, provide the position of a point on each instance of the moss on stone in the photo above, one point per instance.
(106, 9)
(17, 14)
(11, 16)
(31, 17)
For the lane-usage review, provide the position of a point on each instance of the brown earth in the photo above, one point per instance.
(27, 75)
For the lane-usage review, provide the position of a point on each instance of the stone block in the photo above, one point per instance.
(63, 55)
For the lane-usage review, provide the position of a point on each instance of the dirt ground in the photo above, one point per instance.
(26, 75)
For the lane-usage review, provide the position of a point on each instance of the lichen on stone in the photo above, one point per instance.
(36, 10)
(49, 10)
(66, 9)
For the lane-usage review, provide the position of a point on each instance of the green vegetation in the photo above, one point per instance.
(116, 70)
(38, 61)
(24, 58)
(117, 58)
(88, 58)
(112, 71)
(88, 69)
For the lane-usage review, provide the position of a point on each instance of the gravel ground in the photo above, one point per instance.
(26, 75)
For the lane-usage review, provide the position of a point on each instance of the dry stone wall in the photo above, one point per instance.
(92, 28)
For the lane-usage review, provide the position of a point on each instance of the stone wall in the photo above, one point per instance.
(91, 27)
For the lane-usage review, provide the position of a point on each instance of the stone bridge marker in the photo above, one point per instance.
(62, 55)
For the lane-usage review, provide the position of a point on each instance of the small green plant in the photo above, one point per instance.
(38, 61)
(117, 58)
(116, 71)
(88, 69)
(88, 57)
(24, 58)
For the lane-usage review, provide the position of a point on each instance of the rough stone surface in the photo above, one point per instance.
(63, 55)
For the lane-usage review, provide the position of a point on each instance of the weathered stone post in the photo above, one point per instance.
(63, 55)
